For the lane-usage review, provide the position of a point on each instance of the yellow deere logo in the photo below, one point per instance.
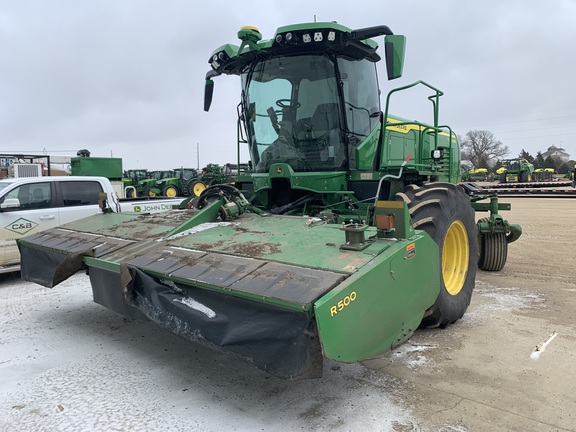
(279, 170)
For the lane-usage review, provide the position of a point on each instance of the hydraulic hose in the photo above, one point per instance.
(391, 176)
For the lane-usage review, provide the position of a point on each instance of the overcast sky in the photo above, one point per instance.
(126, 77)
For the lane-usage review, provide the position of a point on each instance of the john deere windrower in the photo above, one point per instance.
(349, 231)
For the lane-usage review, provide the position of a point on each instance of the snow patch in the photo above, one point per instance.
(193, 304)
(412, 355)
(495, 300)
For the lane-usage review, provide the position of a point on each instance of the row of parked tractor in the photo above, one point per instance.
(516, 170)
(189, 182)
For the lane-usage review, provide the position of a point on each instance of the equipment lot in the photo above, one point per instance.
(67, 363)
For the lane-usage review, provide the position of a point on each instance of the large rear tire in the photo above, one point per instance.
(443, 211)
(492, 250)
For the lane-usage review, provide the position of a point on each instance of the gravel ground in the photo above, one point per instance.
(67, 363)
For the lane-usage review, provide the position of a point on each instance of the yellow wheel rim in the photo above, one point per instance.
(171, 192)
(198, 188)
(151, 193)
(455, 257)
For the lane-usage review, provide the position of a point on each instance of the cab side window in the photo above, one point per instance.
(77, 193)
(32, 196)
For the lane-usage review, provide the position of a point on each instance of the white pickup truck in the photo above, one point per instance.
(32, 204)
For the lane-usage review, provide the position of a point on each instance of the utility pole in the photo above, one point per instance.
(197, 156)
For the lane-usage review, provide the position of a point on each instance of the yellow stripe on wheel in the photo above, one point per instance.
(455, 258)
(171, 192)
(198, 188)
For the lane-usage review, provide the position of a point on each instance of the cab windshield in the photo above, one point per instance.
(293, 112)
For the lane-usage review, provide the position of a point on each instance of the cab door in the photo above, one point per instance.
(24, 210)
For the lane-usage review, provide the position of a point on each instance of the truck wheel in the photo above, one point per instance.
(525, 177)
(503, 178)
(196, 188)
(492, 250)
(170, 191)
(443, 211)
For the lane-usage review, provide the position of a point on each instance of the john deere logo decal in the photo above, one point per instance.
(279, 170)
(137, 209)
(21, 226)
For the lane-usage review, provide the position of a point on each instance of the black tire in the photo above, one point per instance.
(443, 211)
(492, 250)
(525, 177)
(503, 178)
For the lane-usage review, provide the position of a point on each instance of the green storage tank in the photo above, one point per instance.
(110, 168)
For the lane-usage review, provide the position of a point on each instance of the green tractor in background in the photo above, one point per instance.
(350, 230)
(185, 182)
(517, 170)
(213, 174)
(131, 178)
(145, 187)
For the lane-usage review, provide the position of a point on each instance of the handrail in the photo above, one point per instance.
(422, 128)
(130, 188)
(435, 99)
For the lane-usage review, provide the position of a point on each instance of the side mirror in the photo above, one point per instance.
(394, 48)
(208, 91)
(10, 203)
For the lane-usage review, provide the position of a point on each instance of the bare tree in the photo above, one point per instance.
(482, 148)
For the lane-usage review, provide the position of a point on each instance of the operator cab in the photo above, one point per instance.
(310, 96)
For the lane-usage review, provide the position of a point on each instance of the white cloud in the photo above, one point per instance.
(127, 77)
